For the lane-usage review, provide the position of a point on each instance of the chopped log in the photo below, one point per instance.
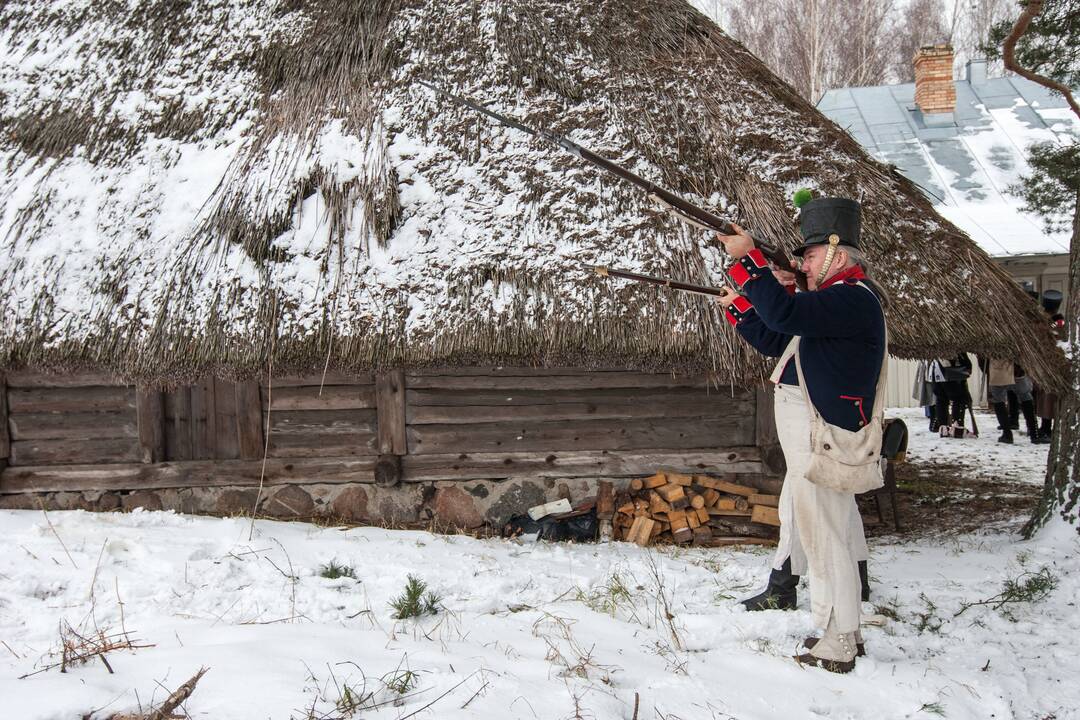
(711, 496)
(692, 519)
(605, 499)
(654, 481)
(765, 515)
(636, 485)
(723, 503)
(729, 513)
(679, 479)
(626, 508)
(724, 486)
(641, 531)
(680, 528)
(673, 494)
(657, 504)
(703, 515)
(697, 502)
(657, 529)
(741, 504)
(770, 500)
(729, 540)
(702, 536)
(740, 526)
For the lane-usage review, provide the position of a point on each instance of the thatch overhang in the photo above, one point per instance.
(199, 186)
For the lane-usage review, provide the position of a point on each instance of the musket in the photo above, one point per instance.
(686, 211)
(604, 271)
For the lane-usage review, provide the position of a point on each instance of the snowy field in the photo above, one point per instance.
(526, 631)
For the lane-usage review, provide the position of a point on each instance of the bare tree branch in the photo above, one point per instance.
(1008, 51)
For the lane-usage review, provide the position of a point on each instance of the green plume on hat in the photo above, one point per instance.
(801, 197)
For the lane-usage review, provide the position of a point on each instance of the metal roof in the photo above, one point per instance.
(966, 161)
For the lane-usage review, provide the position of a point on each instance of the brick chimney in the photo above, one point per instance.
(935, 93)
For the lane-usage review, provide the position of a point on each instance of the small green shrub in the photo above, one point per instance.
(333, 571)
(415, 600)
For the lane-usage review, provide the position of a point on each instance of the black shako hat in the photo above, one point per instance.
(1051, 301)
(822, 218)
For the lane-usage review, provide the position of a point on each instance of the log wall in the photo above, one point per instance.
(442, 426)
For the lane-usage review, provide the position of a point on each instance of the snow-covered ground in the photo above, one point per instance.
(528, 630)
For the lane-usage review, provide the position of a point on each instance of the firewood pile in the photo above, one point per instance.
(690, 509)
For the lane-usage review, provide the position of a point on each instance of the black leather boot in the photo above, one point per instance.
(1046, 428)
(780, 592)
(1002, 412)
(864, 580)
(1028, 408)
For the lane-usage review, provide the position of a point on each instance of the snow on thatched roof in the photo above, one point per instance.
(192, 186)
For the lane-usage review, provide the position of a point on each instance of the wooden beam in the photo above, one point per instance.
(331, 397)
(61, 380)
(197, 473)
(765, 420)
(584, 381)
(5, 437)
(249, 420)
(71, 399)
(150, 414)
(390, 409)
(594, 463)
(203, 420)
(336, 470)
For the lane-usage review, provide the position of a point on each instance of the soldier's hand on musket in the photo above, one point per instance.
(728, 297)
(785, 277)
(737, 245)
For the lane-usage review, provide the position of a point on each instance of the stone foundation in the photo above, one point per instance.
(453, 504)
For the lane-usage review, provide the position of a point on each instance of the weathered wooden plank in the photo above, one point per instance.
(506, 371)
(698, 405)
(322, 422)
(182, 426)
(596, 463)
(55, 426)
(203, 411)
(201, 473)
(321, 445)
(317, 380)
(228, 447)
(70, 399)
(150, 415)
(579, 435)
(25, 379)
(332, 397)
(613, 396)
(249, 420)
(75, 451)
(390, 403)
(585, 381)
(5, 436)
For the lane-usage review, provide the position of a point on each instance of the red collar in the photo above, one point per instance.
(852, 273)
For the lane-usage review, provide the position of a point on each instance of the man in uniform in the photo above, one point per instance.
(840, 325)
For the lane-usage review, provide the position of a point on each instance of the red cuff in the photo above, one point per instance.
(749, 267)
(738, 310)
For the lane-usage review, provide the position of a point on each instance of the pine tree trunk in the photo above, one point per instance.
(1061, 492)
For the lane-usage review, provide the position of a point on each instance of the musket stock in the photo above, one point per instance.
(677, 206)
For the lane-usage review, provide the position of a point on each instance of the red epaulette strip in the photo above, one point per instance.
(749, 267)
(737, 310)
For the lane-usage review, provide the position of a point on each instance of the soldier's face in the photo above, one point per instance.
(814, 259)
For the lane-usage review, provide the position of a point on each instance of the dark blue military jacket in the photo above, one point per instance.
(842, 327)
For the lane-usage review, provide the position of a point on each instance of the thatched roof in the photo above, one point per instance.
(190, 186)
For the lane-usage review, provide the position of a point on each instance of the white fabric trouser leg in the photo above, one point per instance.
(820, 529)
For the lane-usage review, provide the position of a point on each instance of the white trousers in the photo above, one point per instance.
(820, 529)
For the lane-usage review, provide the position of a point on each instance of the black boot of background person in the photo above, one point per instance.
(864, 580)
(1046, 428)
(780, 592)
(1002, 412)
(1014, 411)
(1028, 406)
